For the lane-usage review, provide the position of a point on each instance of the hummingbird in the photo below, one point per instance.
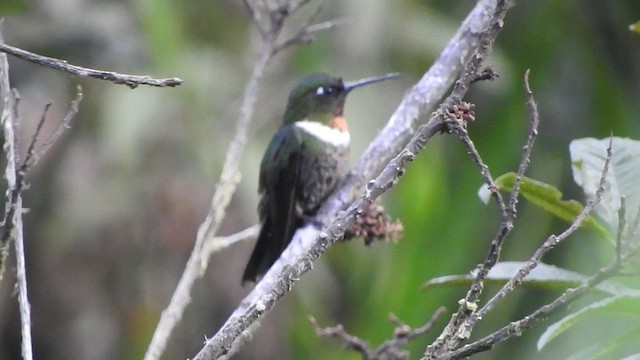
(303, 163)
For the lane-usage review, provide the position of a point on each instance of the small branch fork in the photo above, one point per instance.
(131, 81)
(32, 157)
(390, 349)
(269, 18)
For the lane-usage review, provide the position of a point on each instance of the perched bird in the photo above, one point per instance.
(302, 165)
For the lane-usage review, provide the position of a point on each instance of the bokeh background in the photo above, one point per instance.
(115, 206)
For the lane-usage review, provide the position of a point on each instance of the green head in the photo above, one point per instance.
(321, 97)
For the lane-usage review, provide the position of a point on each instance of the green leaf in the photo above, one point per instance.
(549, 198)
(635, 356)
(587, 161)
(620, 305)
(635, 28)
(617, 341)
(543, 276)
(586, 352)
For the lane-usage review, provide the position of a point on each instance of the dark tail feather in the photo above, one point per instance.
(272, 241)
(260, 256)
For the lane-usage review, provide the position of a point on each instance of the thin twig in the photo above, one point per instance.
(622, 225)
(486, 74)
(9, 110)
(461, 130)
(349, 341)
(34, 138)
(222, 242)
(131, 81)
(389, 349)
(34, 156)
(305, 35)
(403, 334)
(31, 158)
(23, 297)
(326, 25)
(10, 101)
(534, 120)
(256, 16)
(302, 35)
(307, 245)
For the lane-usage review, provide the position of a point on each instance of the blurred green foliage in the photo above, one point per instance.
(116, 206)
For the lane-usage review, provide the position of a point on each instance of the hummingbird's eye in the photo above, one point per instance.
(322, 90)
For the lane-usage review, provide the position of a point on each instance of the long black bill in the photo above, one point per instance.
(370, 80)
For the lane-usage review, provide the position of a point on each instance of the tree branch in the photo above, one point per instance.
(350, 342)
(403, 334)
(13, 207)
(10, 102)
(309, 243)
(389, 349)
(534, 120)
(131, 81)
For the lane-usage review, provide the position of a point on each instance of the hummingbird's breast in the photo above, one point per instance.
(335, 135)
(325, 155)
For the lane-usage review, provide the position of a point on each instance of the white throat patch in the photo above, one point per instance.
(325, 133)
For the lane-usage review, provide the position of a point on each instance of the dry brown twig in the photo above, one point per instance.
(389, 349)
(32, 157)
(132, 81)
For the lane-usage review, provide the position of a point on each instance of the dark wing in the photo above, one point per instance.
(279, 190)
